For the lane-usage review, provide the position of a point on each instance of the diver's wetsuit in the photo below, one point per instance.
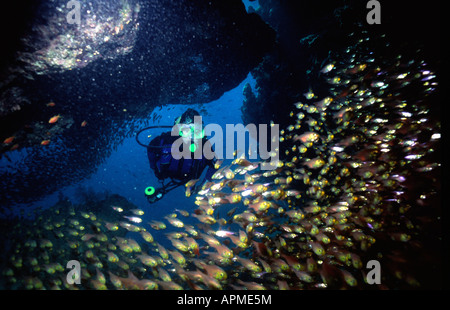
(165, 166)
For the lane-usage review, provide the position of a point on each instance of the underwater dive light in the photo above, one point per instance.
(149, 191)
(193, 147)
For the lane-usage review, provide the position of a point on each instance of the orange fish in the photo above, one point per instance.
(9, 140)
(54, 119)
(307, 137)
(14, 147)
(51, 104)
(314, 163)
(45, 142)
(84, 123)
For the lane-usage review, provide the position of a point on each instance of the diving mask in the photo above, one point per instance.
(187, 131)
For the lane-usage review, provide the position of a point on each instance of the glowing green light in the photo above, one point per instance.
(192, 147)
(149, 191)
(199, 135)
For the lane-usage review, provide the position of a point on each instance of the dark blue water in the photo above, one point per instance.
(127, 171)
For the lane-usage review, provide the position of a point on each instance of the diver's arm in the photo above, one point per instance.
(154, 154)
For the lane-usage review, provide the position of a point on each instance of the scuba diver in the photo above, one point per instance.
(179, 170)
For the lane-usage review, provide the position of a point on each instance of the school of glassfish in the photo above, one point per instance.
(358, 180)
